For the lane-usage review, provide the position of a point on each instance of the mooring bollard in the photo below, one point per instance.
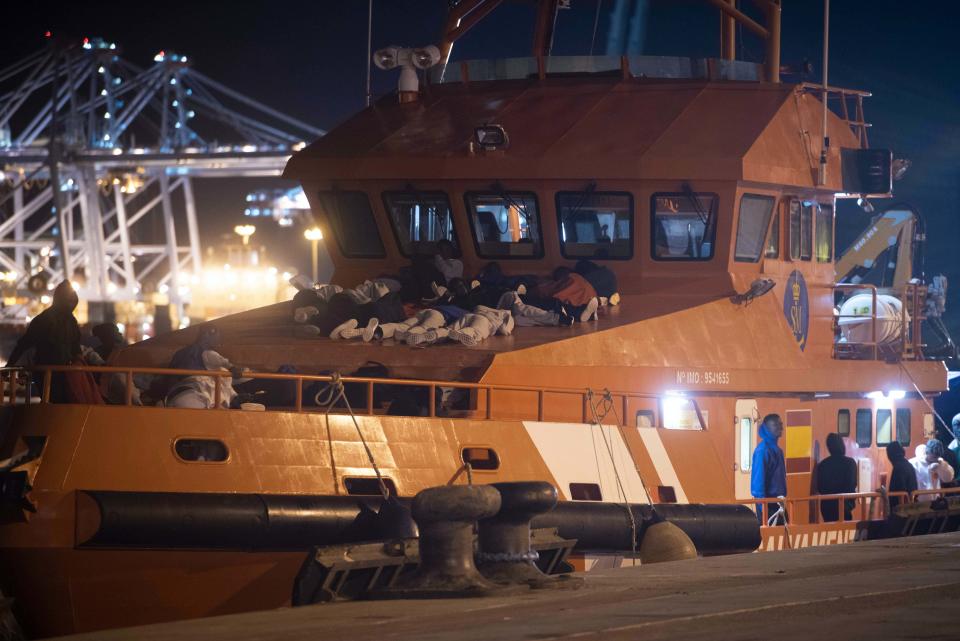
(505, 556)
(445, 517)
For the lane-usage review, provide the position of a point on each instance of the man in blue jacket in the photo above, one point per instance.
(768, 473)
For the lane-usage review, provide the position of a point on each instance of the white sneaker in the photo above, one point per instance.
(350, 324)
(417, 338)
(590, 312)
(367, 332)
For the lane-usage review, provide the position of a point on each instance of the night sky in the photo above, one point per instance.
(308, 59)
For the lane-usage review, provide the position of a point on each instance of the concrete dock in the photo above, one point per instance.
(889, 589)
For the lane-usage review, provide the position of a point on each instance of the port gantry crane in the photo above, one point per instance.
(97, 158)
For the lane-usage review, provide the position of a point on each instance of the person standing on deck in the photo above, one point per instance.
(903, 476)
(954, 446)
(52, 338)
(932, 470)
(836, 474)
(768, 473)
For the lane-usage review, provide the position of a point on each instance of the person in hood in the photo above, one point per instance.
(768, 471)
(54, 334)
(836, 474)
(903, 476)
(199, 392)
(931, 469)
(954, 446)
(52, 338)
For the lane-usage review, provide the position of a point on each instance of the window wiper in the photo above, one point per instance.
(706, 218)
(521, 209)
(591, 186)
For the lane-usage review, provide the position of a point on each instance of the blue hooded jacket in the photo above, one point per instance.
(768, 472)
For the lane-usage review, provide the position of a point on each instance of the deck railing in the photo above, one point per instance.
(867, 505)
(16, 380)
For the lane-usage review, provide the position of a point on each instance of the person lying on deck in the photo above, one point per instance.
(199, 392)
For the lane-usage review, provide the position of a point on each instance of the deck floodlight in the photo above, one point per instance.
(491, 137)
(425, 57)
(387, 58)
(408, 60)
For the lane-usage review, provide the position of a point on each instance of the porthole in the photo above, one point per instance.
(368, 486)
(481, 458)
(201, 450)
(585, 492)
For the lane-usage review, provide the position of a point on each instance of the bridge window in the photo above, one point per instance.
(505, 225)
(419, 220)
(884, 427)
(684, 226)
(824, 248)
(352, 222)
(903, 426)
(801, 230)
(752, 226)
(843, 422)
(864, 428)
(595, 224)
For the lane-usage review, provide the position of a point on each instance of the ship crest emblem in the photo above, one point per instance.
(796, 308)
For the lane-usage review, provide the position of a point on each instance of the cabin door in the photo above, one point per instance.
(745, 440)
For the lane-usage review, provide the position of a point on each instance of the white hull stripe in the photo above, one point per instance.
(661, 461)
(578, 453)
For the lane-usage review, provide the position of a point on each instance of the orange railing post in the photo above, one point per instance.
(128, 391)
(216, 391)
(47, 382)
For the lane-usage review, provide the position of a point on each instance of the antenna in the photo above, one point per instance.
(826, 54)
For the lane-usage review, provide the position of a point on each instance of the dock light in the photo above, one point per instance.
(314, 235)
(245, 232)
(896, 394)
(491, 137)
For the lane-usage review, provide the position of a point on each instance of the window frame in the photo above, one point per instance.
(888, 412)
(766, 231)
(648, 413)
(816, 233)
(900, 411)
(799, 236)
(653, 225)
(633, 217)
(843, 412)
(470, 211)
(394, 227)
(336, 234)
(869, 431)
